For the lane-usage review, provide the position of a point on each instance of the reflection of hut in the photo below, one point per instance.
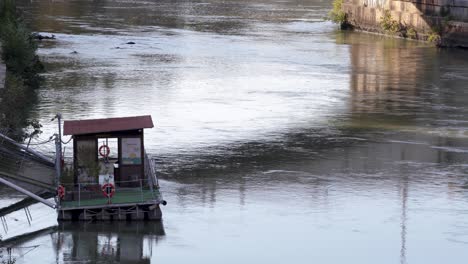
(119, 242)
(111, 171)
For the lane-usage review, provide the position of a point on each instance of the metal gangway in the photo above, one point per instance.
(28, 171)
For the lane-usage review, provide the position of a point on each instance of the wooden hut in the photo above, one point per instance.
(111, 177)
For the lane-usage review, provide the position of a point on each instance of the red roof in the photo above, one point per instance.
(94, 126)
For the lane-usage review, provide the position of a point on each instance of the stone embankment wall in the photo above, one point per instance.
(444, 21)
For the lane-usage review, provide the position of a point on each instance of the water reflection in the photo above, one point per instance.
(121, 242)
(278, 139)
(404, 209)
(221, 17)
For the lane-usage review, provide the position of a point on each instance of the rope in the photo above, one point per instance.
(38, 143)
(67, 141)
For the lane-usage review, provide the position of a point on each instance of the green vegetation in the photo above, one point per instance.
(411, 33)
(392, 26)
(23, 68)
(337, 15)
(434, 37)
(389, 24)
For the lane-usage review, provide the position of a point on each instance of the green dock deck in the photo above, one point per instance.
(127, 197)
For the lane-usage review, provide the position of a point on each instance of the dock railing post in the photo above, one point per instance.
(141, 189)
(58, 155)
(79, 194)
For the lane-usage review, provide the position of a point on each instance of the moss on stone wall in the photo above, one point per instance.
(441, 23)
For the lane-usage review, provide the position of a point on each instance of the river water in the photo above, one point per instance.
(278, 138)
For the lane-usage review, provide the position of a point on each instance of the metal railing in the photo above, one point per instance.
(150, 171)
(124, 192)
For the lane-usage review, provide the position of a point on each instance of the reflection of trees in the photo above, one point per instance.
(52, 15)
(170, 14)
(213, 16)
(390, 80)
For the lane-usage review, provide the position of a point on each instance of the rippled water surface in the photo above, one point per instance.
(279, 139)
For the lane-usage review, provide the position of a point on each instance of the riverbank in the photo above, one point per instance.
(443, 22)
(19, 73)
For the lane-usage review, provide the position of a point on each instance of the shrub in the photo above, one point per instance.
(388, 24)
(23, 68)
(337, 15)
(19, 48)
(411, 33)
(434, 37)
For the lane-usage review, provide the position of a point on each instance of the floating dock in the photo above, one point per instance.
(112, 177)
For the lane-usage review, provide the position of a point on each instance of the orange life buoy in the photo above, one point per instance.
(104, 151)
(61, 191)
(108, 190)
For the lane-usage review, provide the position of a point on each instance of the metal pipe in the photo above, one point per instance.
(28, 193)
(58, 154)
(141, 189)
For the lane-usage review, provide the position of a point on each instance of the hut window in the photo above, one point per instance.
(112, 144)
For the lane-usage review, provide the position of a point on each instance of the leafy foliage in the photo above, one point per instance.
(389, 24)
(19, 48)
(337, 14)
(434, 37)
(411, 33)
(23, 68)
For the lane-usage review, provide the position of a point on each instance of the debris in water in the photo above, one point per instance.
(41, 37)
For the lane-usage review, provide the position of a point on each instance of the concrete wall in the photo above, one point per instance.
(447, 17)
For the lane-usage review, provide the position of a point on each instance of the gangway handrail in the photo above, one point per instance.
(23, 179)
(40, 156)
(23, 203)
(28, 193)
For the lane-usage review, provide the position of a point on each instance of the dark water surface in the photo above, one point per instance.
(278, 138)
